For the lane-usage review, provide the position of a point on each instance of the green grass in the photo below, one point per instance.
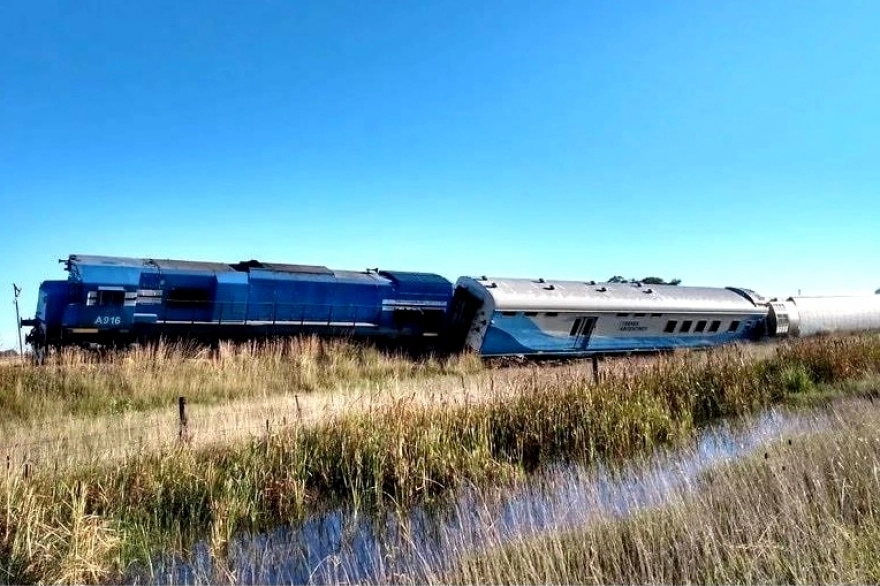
(396, 454)
(805, 512)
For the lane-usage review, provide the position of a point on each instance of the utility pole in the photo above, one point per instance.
(17, 291)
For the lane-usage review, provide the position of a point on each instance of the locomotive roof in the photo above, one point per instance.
(282, 267)
(553, 295)
(93, 265)
(141, 263)
(192, 265)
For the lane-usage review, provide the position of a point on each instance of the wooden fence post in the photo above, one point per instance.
(595, 368)
(181, 411)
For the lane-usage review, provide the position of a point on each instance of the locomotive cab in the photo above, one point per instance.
(46, 323)
(417, 303)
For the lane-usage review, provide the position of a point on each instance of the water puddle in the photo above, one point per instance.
(346, 547)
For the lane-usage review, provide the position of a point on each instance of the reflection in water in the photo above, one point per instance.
(344, 546)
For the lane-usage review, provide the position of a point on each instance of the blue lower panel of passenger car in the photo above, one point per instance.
(532, 340)
(613, 343)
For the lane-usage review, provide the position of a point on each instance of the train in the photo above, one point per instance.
(108, 301)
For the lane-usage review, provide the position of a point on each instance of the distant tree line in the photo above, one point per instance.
(650, 281)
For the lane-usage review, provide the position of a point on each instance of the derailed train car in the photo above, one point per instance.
(117, 301)
(500, 317)
(538, 317)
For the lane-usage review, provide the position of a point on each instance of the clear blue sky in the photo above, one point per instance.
(718, 142)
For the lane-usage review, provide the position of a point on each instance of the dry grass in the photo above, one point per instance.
(404, 447)
(54, 429)
(82, 407)
(51, 537)
(77, 383)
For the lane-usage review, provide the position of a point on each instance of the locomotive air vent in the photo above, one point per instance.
(550, 287)
(602, 289)
(649, 290)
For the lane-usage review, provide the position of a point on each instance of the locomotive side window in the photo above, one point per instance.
(188, 297)
(715, 325)
(575, 326)
(734, 326)
(670, 326)
(701, 325)
(110, 297)
(685, 326)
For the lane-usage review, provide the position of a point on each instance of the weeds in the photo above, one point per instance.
(401, 452)
(802, 511)
(77, 382)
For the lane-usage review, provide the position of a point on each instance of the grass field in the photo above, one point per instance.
(804, 510)
(356, 426)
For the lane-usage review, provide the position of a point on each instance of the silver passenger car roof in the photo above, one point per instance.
(553, 295)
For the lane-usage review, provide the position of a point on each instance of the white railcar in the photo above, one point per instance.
(496, 316)
(805, 316)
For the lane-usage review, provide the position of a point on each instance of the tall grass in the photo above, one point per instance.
(78, 382)
(402, 452)
(805, 511)
(50, 536)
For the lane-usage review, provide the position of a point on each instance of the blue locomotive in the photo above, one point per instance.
(116, 301)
